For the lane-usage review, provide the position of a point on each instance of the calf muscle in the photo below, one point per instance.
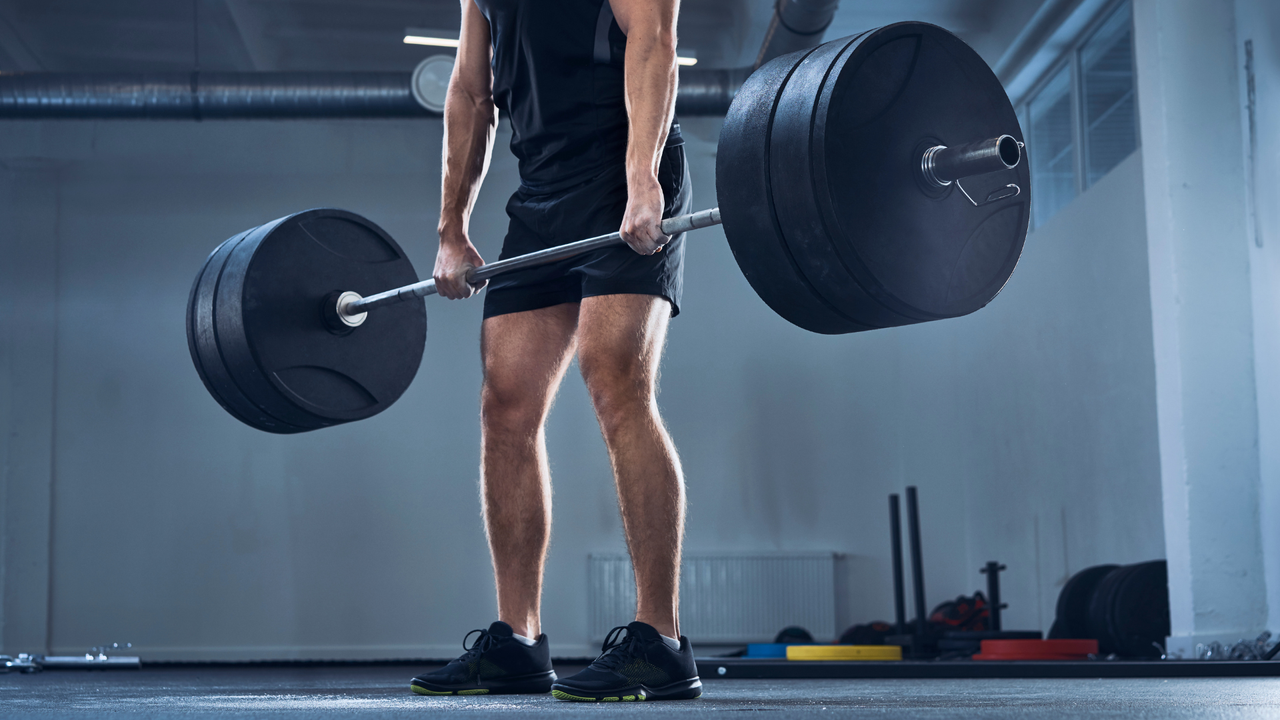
(621, 338)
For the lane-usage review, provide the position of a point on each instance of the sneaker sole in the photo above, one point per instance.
(683, 690)
(537, 684)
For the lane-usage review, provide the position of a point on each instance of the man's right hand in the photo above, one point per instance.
(455, 258)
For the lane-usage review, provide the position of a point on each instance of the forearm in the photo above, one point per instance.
(651, 97)
(470, 122)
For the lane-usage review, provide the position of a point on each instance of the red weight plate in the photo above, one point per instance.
(1037, 650)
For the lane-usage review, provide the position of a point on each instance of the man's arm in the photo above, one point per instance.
(470, 120)
(650, 26)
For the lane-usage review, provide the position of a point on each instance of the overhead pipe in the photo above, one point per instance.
(271, 95)
(796, 24)
(207, 95)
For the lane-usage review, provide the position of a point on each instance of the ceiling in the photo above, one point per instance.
(338, 35)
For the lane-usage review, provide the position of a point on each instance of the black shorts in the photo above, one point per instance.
(591, 208)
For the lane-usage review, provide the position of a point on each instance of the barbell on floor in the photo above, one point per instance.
(836, 171)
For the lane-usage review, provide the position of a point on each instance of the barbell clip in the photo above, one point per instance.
(1002, 193)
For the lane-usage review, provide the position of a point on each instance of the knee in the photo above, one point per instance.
(509, 409)
(620, 389)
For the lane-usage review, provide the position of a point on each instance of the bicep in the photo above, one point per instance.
(651, 18)
(472, 72)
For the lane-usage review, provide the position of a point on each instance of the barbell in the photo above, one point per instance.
(838, 172)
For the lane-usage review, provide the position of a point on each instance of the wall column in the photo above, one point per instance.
(1257, 44)
(1198, 254)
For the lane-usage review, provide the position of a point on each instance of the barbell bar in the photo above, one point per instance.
(351, 309)
(940, 165)
(837, 171)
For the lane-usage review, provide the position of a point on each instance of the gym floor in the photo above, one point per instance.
(382, 690)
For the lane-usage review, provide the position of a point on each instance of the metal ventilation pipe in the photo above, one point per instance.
(796, 24)
(270, 95)
(199, 96)
(708, 91)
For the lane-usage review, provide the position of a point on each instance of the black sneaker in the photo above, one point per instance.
(637, 666)
(496, 663)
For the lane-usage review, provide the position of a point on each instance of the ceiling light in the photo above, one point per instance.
(431, 36)
(679, 60)
(433, 41)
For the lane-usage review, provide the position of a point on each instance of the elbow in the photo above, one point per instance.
(475, 101)
(657, 42)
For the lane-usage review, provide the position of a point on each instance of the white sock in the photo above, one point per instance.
(527, 642)
(672, 643)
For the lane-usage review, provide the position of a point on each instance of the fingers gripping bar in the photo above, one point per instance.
(352, 308)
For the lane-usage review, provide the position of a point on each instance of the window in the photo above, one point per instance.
(1110, 123)
(1052, 148)
(1082, 120)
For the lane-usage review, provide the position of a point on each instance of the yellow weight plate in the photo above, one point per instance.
(844, 652)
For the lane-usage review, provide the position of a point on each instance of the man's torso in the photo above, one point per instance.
(558, 77)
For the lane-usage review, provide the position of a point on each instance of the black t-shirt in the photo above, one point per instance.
(558, 77)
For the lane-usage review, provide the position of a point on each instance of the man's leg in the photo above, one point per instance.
(620, 339)
(525, 357)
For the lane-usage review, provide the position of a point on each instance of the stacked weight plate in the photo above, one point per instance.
(1129, 610)
(826, 143)
(256, 330)
(1124, 607)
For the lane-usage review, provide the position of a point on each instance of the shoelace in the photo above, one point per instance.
(485, 642)
(617, 648)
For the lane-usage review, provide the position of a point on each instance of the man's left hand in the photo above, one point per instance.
(642, 223)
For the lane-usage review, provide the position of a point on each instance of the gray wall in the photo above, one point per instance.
(1028, 426)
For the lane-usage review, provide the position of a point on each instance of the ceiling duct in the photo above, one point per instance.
(796, 24)
(207, 95)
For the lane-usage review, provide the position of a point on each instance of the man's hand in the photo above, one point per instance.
(456, 256)
(642, 223)
(470, 119)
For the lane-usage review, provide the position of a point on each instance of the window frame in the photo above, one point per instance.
(1072, 57)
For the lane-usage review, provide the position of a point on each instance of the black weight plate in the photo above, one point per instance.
(1140, 610)
(920, 254)
(746, 203)
(270, 322)
(1100, 610)
(202, 341)
(234, 347)
(807, 235)
(1072, 614)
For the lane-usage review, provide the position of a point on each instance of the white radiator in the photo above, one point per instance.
(726, 598)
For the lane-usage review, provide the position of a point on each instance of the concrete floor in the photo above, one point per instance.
(368, 691)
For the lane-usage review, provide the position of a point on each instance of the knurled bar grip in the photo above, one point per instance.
(670, 226)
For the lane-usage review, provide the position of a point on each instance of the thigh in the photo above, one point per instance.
(620, 340)
(526, 353)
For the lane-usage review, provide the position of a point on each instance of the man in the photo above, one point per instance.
(589, 87)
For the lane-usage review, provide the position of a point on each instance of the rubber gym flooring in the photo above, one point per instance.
(382, 691)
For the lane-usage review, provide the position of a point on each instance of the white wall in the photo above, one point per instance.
(1064, 470)
(1257, 21)
(1029, 426)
